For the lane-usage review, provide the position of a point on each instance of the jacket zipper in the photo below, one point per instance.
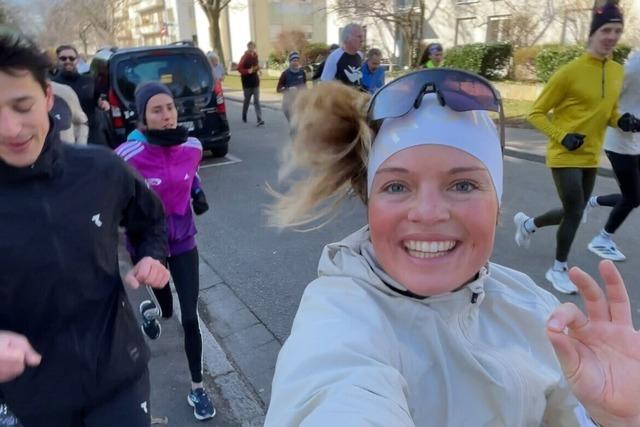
(603, 76)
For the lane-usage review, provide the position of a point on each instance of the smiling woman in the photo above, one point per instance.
(408, 317)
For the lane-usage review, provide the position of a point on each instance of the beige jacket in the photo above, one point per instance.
(363, 354)
(79, 131)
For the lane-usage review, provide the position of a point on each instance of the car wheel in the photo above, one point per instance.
(220, 151)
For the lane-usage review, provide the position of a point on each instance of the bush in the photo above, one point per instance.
(552, 57)
(314, 51)
(277, 61)
(621, 53)
(490, 60)
(524, 63)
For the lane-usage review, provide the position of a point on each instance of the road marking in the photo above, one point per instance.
(229, 159)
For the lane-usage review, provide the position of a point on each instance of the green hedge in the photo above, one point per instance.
(552, 57)
(490, 60)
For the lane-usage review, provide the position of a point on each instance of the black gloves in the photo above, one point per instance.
(199, 201)
(629, 123)
(573, 141)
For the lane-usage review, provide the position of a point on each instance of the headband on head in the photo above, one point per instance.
(432, 124)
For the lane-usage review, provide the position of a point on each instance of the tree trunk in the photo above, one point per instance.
(214, 34)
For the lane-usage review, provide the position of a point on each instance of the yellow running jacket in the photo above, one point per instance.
(583, 95)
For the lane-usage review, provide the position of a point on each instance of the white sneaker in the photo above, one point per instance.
(587, 210)
(559, 279)
(606, 248)
(523, 237)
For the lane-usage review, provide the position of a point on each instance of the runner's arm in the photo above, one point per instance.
(552, 94)
(330, 66)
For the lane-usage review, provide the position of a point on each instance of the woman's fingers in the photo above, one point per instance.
(594, 299)
(618, 299)
(566, 316)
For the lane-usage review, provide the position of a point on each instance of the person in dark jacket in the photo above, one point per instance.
(82, 84)
(71, 350)
(291, 81)
(248, 67)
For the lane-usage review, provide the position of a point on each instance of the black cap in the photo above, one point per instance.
(607, 14)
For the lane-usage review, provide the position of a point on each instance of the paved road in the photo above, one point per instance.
(254, 276)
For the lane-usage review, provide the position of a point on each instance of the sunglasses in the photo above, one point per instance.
(67, 58)
(457, 89)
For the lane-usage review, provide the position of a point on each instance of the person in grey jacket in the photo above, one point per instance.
(409, 323)
(73, 123)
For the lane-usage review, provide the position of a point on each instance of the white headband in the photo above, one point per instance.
(470, 131)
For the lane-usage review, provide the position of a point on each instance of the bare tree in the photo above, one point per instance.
(408, 20)
(213, 9)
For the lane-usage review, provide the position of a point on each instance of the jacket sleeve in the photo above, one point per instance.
(143, 218)
(331, 66)
(336, 367)
(242, 69)
(552, 94)
(281, 82)
(564, 410)
(79, 120)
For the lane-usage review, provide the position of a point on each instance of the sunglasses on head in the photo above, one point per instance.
(67, 58)
(457, 89)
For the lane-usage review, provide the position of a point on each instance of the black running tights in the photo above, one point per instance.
(574, 186)
(627, 170)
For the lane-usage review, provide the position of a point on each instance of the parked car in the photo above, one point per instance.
(184, 69)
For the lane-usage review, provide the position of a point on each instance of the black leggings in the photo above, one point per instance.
(184, 270)
(627, 170)
(128, 408)
(574, 186)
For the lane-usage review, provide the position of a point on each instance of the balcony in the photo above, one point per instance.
(149, 30)
(146, 5)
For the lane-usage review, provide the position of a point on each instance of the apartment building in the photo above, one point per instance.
(155, 22)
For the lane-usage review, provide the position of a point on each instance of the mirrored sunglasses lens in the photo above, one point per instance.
(67, 58)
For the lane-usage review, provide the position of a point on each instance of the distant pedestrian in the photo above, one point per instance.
(623, 151)
(82, 84)
(344, 64)
(216, 67)
(372, 72)
(583, 95)
(432, 56)
(291, 81)
(249, 67)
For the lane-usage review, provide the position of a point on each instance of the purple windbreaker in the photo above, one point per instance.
(171, 172)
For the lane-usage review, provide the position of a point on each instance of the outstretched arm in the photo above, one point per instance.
(600, 352)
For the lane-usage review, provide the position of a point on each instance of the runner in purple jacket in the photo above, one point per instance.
(168, 160)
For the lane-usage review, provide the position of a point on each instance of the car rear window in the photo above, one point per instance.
(185, 74)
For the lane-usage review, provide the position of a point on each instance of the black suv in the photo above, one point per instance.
(184, 69)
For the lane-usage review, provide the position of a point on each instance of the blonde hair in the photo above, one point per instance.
(330, 144)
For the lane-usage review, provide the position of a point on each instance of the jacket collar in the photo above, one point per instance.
(45, 166)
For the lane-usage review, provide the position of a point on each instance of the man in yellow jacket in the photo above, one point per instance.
(583, 96)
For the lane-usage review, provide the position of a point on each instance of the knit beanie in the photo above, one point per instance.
(144, 92)
(293, 56)
(607, 14)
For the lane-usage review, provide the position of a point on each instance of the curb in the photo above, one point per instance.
(519, 154)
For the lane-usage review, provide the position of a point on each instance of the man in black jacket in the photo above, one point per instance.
(82, 84)
(71, 351)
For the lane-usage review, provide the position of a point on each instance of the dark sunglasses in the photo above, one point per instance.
(457, 89)
(67, 58)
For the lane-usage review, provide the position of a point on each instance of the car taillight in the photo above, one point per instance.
(116, 112)
(217, 91)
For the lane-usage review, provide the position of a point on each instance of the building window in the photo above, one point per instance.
(464, 30)
(498, 28)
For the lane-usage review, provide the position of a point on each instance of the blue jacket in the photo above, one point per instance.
(372, 81)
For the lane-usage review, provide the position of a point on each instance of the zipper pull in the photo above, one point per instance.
(474, 297)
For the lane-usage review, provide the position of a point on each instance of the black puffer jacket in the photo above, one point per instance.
(60, 284)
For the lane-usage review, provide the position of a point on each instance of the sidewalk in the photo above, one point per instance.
(523, 143)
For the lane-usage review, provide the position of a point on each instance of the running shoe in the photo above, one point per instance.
(523, 237)
(150, 323)
(587, 210)
(560, 281)
(7, 419)
(202, 407)
(260, 122)
(606, 248)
